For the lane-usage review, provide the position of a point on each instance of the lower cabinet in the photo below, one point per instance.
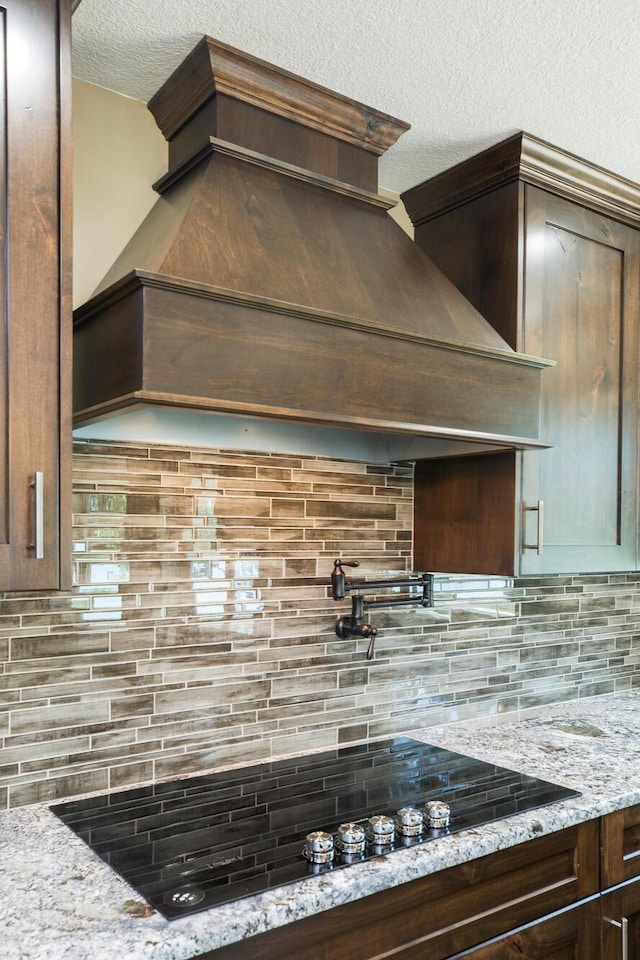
(489, 901)
(620, 872)
(572, 895)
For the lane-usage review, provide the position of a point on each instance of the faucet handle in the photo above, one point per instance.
(338, 578)
(372, 642)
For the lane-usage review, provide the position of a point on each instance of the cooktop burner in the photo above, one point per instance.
(195, 843)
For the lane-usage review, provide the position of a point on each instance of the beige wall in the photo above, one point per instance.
(398, 213)
(118, 153)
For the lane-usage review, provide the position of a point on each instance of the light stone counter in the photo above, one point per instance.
(58, 901)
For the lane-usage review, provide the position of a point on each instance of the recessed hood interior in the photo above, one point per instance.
(268, 286)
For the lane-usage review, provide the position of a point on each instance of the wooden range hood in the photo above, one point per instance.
(269, 280)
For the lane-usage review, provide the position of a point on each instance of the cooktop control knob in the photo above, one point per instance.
(318, 847)
(381, 830)
(410, 822)
(438, 814)
(350, 838)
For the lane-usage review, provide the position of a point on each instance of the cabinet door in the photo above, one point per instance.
(620, 846)
(35, 294)
(620, 868)
(571, 935)
(582, 284)
(621, 923)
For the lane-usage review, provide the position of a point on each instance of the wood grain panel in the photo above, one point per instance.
(581, 305)
(478, 247)
(246, 125)
(624, 902)
(211, 349)
(465, 514)
(36, 278)
(574, 934)
(621, 846)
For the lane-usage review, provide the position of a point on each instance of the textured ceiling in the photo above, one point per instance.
(464, 73)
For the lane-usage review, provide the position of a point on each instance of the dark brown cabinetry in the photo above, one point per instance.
(573, 895)
(620, 873)
(546, 247)
(446, 914)
(35, 275)
(621, 923)
(570, 935)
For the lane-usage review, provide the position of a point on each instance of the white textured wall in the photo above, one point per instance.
(464, 73)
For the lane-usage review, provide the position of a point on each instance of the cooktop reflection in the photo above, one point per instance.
(195, 843)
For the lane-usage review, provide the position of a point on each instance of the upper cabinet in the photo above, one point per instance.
(547, 248)
(35, 369)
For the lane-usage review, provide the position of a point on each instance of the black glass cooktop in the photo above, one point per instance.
(195, 843)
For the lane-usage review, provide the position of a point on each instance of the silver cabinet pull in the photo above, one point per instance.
(37, 485)
(623, 925)
(538, 547)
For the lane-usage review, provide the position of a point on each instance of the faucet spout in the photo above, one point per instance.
(354, 625)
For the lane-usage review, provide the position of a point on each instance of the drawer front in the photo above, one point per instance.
(620, 846)
(572, 934)
(445, 913)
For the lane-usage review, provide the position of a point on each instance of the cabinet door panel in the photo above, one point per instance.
(571, 935)
(581, 308)
(621, 906)
(620, 843)
(35, 277)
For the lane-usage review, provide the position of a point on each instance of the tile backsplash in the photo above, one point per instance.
(200, 629)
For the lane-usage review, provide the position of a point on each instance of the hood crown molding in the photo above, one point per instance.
(531, 160)
(215, 68)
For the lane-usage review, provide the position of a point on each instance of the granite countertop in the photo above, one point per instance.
(60, 901)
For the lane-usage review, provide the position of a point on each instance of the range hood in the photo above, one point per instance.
(269, 281)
